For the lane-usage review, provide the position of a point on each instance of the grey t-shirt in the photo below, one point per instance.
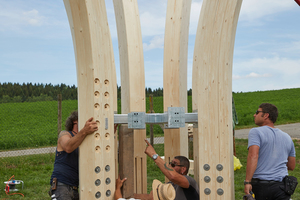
(275, 146)
(191, 193)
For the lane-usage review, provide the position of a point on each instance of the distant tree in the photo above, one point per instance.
(189, 93)
(5, 99)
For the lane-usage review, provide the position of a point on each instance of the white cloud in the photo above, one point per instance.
(195, 13)
(266, 74)
(252, 10)
(250, 75)
(14, 18)
(32, 17)
(155, 42)
(152, 24)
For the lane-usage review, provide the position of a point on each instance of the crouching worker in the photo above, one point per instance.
(159, 191)
(176, 171)
(65, 180)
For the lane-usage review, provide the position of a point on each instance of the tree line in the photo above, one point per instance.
(29, 92)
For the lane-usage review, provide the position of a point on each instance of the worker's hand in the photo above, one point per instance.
(149, 149)
(248, 188)
(119, 182)
(90, 126)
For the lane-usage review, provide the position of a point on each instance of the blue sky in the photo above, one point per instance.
(36, 43)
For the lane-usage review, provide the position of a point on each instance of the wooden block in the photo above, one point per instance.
(212, 80)
(132, 79)
(175, 73)
(96, 82)
(126, 160)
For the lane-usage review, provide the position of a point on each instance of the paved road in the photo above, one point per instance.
(292, 129)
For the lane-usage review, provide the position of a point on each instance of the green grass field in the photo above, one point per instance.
(36, 170)
(34, 124)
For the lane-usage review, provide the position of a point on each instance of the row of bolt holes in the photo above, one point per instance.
(97, 107)
(97, 94)
(97, 136)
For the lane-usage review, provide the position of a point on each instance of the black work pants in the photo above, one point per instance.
(269, 191)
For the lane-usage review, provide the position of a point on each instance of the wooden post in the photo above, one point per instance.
(151, 125)
(96, 82)
(132, 79)
(59, 100)
(212, 85)
(175, 73)
(126, 160)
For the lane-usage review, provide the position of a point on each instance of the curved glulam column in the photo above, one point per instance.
(175, 73)
(96, 78)
(212, 97)
(132, 80)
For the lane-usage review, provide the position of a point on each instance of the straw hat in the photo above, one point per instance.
(163, 191)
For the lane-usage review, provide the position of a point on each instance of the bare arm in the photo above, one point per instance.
(166, 169)
(68, 143)
(291, 164)
(119, 184)
(251, 166)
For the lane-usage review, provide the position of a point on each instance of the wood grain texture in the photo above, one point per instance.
(212, 87)
(175, 73)
(96, 81)
(132, 79)
(126, 154)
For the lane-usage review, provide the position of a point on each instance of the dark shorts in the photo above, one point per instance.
(264, 190)
(64, 192)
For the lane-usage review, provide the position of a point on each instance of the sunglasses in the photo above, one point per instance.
(258, 111)
(174, 164)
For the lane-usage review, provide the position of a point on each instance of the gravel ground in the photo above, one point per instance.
(292, 129)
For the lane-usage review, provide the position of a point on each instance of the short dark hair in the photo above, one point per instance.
(271, 110)
(69, 122)
(185, 162)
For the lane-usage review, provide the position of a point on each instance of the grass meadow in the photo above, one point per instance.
(34, 124)
(36, 170)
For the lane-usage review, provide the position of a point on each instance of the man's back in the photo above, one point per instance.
(191, 193)
(275, 146)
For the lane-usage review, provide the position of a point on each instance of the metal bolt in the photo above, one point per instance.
(220, 179)
(220, 192)
(219, 167)
(207, 179)
(108, 193)
(107, 168)
(206, 167)
(98, 195)
(97, 169)
(207, 191)
(97, 182)
(107, 181)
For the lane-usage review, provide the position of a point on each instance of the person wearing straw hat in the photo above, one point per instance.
(159, 191)
(176, 171)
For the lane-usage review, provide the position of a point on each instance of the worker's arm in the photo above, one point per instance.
(291, 164)
(251, 166)
(166, 169)
(119, 184)
(68, 143)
